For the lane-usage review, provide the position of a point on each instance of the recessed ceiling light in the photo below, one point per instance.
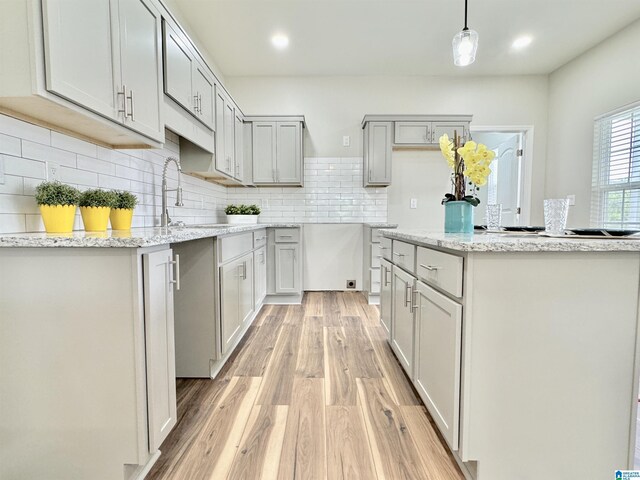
(280, 41)
(522, 42)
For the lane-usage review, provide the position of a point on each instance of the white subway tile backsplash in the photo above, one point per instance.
(23, 167)
(10, 145)
(82, 178)
(10, 223)
(45, 153)
(71, 144)
(27, 131)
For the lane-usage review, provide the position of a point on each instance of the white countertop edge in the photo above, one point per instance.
(491, 242)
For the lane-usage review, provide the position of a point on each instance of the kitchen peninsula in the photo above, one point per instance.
(522, 347)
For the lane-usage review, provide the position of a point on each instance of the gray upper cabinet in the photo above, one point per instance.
(186, 80)
(225, 133)
(277, 147)
(377, 153)
(412, 133)
(238, 171)
(105, 56)
(450, 128)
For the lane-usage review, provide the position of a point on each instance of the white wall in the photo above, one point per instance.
(332, 255)
(25, 148)
(334, 107)
(602, 79)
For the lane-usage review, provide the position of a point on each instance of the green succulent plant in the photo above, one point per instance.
(125, 200)
(56, 193)
(242, 210)
(98, 198)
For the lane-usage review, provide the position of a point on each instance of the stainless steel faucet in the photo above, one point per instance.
(165, 221)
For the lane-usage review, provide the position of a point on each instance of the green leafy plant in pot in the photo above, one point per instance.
(57, 203)
(244, 214)
(122, 212)
(95, 207)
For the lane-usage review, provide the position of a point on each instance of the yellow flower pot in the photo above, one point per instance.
(95, 219)
(121, 218)
(58, 218)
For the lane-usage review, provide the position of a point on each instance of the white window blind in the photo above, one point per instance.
(615, 196)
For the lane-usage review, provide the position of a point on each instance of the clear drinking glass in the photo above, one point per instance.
(556, 211)
(494, 216)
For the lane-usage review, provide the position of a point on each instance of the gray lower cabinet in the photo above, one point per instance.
(437, 358)
(236, 297)
(402, 331)
(160, 350)
(378, 142)
(385, 295)
(287, 271)
(260, 279)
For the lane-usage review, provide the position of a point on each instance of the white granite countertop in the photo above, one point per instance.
(510, 242)
(134, 238)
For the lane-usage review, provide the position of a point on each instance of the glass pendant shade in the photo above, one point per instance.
(465, 46)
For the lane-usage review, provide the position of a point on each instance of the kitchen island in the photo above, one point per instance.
(523, 348)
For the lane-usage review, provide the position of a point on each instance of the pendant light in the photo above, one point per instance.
(465, 44)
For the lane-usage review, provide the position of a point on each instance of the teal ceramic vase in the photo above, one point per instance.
(458, 217)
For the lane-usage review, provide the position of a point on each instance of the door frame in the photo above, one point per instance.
(526, 177)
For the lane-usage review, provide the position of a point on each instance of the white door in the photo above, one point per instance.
(438, 357)
(260, 280)
(264, 151)
(140, 43)
(229, 137)
(239, 153)
(229, 295)
(289, 152)
(80, 53)
(385, 295)
(203, 96)
(160, 346)
(402, 323)
(245, 299)
(178, 69)
(505, 183)
(379, 153)
(287, 268)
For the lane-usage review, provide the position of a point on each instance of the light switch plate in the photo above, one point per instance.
(2, 180)
(414, 203)
(346, 141)
(572, 200)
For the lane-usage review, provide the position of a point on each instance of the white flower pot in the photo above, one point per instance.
(242, 219)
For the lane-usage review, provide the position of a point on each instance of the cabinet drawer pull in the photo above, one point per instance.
(407, 298)
(414, 301)
(285, 236)
(176, 275)
(431, 268)
(398, 254)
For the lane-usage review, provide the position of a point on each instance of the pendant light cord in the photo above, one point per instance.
(465, 16)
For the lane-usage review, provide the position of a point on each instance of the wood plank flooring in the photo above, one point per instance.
(312, 392)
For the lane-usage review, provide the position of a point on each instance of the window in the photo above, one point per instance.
(615, 196)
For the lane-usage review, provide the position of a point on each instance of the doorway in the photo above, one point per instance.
(506, 183)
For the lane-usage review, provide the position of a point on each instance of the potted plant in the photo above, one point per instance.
(58, 203)
(242, 213)
(95, 206)
(469, 163)
(122, 211)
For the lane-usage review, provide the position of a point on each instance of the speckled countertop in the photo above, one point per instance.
(508, 242)
(134, 238)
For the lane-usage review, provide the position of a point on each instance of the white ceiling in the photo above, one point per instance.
(398, 37)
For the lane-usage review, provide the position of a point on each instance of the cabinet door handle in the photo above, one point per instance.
(273, 175)
(414, 301)
(407, 295)
(131, 114)
(369, 175)
(386, 273)
(398, 254)
(124, 102)
(176, 275)
(431, 268)
(244, 270)
(196, 107)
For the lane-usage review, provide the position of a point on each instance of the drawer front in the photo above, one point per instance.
(259, 238)
(440, 269)
(287, 235)
(234, 246)
(385, 248)
(404, 255)
(375, 255)
(375, 280)
(412, 133)
(375, 235)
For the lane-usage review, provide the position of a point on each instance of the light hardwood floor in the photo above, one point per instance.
(313, 392)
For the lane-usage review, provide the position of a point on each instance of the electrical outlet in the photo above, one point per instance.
(202, 202)
(351, 284)
(2, 180)
(346, 141)
(572, 200)
(53, 171)
(414, 203)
